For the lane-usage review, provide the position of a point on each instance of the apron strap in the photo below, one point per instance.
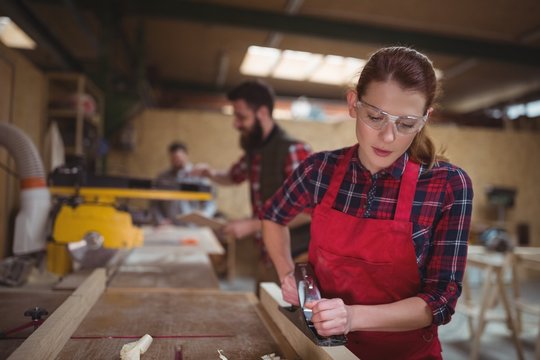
(407, 190)
(337, 177)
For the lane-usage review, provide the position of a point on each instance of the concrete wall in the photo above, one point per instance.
(491, 157)
(22, 103)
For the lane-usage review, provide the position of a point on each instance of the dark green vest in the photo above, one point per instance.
(273, 158)
(274, 154)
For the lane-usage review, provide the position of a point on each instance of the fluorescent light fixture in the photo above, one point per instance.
(533, 109)
(12, 35)
(300, 66)
(259, 61)
(303, 66)
(515, 111)
(337, 70)
(296, 65)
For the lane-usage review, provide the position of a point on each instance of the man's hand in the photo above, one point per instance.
(331, 316)
(241, 228)
(202, 170)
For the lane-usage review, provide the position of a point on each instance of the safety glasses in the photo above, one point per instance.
(377, 119)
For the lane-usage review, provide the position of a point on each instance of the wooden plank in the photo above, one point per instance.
(278, 336)
(201, 238)
(271, 299)
(165, 267)
(202, 220)
(49, 339)
(13, 304)
(200, 321)
(73, 280)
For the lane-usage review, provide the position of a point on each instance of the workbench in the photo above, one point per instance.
(163, 289)
(95, 322)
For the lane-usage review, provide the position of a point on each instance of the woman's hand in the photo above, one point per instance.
(331, 316)
(289, 290)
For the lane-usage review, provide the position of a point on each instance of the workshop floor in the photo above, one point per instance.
(496, 342)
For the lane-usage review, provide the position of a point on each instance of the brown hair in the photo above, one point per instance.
(413, 71)
(255, 93)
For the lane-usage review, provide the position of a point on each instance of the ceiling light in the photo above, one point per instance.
(337, 70)
(259, 61)
(533, 109)
(12, 35)
(515, 111)
(301, 66)
(296, 65)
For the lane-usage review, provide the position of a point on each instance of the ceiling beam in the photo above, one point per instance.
(335, 29)
(26, 20)
(378, 35)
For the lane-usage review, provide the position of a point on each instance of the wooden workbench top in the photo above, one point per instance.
(165, 267)
(227, 321)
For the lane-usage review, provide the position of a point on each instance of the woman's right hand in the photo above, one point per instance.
(289, 290)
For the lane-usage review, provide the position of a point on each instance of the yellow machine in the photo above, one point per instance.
(91, 229)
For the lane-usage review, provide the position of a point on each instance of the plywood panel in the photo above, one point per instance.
(230, 317)
(6, 96)
(165, 267)
(202, 238)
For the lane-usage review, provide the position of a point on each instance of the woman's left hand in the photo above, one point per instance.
(331, 317)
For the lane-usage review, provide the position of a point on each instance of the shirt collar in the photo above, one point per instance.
(395, 170)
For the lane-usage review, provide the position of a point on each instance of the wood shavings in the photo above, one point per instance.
(271, 356)
(221, 356)
(133, 350)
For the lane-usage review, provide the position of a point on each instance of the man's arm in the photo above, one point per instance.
(218, 176)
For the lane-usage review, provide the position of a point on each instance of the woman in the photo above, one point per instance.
(390, 219)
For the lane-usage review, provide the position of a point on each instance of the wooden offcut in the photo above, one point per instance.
(271, 299)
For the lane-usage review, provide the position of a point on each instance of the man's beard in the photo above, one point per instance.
(254, 138)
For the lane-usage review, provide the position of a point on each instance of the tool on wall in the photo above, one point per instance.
(308, 291)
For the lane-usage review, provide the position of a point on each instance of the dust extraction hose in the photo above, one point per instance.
(31, 221)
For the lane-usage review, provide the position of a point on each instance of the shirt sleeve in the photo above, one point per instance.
(442, 284)
(297, 153)
(292, 197)
(239, 170)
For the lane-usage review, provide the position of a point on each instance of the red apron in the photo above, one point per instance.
(368, 262)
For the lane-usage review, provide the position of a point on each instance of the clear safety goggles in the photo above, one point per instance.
(377, 119)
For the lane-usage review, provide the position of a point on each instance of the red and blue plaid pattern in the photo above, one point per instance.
(441, 214)
(239, 171)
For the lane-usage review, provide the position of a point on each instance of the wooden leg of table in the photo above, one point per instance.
(468, 303)
(509, 317)
(486, 300)
(231, 258)
(537, 352)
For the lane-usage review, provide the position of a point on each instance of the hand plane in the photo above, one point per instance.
(308, 291)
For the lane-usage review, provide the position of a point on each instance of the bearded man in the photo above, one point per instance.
(270, 156)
